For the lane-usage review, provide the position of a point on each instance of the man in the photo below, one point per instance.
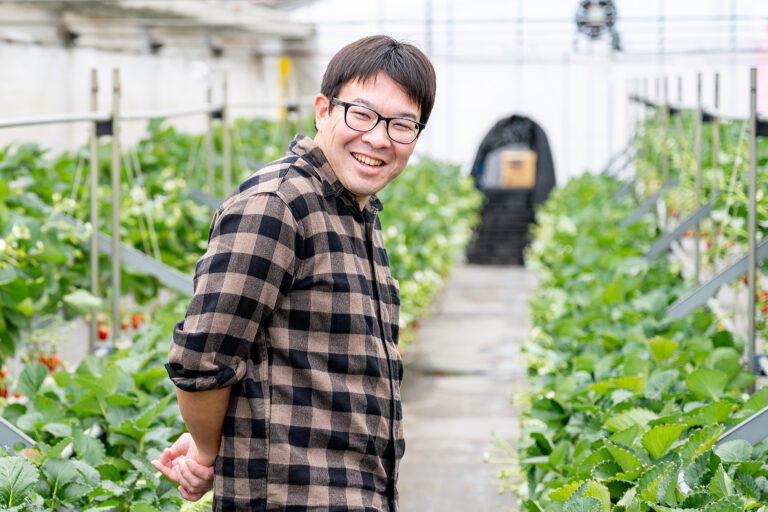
(286, 364)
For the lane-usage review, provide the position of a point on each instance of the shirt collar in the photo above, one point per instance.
(305, 147)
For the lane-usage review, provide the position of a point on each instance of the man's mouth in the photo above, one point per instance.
(367, 160)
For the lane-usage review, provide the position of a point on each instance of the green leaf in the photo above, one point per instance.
(706, 383)
(720, 486)
(700, 471)
(59, 473)
(153, 411)
(559, 454)
(662, 349)
(626, 419)
(143, 507)
(737, 450)
(697, 499)
(8, 274)
(658, 440)
(17, 477)
(80, 302)
(90, 476)
(700, 441)
(547, 410)
(660, 382)
(626, 437)
(668, 492)
(562, 494)
(605, 470)
(597, 490)
(88, 448)
(531, 506)
(725, 359)
(746, 484)
(625, 458)
(588, 504)
(58, 429)
(31, 379)
(652, 480)
(731, 504)
(716, 412)
(56, 450)
(758, 401)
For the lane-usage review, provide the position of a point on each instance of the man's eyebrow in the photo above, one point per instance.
(405, 113)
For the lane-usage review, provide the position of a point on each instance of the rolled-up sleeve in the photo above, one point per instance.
(248, 267)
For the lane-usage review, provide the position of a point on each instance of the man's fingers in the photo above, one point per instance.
(191, 482)
(199, 470)
(170, 471)
(190, 496)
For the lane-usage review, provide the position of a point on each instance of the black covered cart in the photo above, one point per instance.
(513, 167)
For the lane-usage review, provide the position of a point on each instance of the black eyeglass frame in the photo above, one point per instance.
(379, 118)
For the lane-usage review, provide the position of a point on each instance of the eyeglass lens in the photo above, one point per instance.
(364, 119)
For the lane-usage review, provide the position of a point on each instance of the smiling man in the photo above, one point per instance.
(286, 363)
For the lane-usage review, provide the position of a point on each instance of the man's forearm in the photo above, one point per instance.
(203, 413)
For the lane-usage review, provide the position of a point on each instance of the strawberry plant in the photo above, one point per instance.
(626, 404)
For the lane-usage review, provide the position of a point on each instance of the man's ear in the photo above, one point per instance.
(321, 110)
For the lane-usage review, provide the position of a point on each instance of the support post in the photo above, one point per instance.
(225, 140)
(209, 163)
(115, 177)
(715, 161)
(752, 223)
(680, 104)
(665, 145)
(94, 181)
(697, 184)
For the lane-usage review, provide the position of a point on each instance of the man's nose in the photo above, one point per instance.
(378, 136)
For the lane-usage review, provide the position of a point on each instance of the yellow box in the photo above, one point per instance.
(518, 169)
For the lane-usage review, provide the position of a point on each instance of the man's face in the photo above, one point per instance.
(365, 162)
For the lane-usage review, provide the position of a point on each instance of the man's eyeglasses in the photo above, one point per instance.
(364, 119)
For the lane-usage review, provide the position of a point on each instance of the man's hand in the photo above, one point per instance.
(183, 464)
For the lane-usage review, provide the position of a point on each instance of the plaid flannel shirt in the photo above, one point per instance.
(296, 310)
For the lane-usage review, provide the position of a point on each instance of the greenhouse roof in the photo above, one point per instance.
(134, 25)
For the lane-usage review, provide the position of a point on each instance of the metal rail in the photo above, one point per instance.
(10, 436)
(663, 243)
(703, 292)
(646, 206)
(55, 119)
(205, 199)
(167, 114)
(136, 259)
(301, 101)
(753, 430)
(626, 187)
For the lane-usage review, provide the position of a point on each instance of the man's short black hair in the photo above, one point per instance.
(403, 62)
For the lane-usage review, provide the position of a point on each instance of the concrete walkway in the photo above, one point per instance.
(459, 378)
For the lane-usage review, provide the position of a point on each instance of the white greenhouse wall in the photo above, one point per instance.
(489, 68)
(45, 80)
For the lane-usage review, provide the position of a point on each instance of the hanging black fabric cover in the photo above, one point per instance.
(502, 235)
(522, 130)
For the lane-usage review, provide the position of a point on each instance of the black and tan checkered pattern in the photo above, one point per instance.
(295, 309)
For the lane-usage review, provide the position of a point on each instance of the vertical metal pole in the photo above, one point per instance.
(94, 170)
(665, 145)
(715, 170)
(665, 134)
(225, 141)
(752, 221)
(209, 147)
(697, 184)
(680, 107)
(115, 204)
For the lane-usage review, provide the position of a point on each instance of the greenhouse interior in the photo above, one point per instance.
(540, 286)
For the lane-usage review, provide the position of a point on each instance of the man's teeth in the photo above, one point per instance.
(367, 160)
